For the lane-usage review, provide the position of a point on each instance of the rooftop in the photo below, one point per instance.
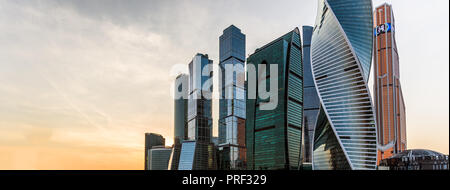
(417, 153)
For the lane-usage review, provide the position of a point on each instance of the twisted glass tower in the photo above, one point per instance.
(341, 55)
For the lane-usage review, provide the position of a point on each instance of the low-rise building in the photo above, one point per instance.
(417, 159)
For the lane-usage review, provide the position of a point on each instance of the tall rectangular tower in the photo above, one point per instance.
(197, 151)
(389, 103)
(232, 149)
(273, 137)
(180, 120)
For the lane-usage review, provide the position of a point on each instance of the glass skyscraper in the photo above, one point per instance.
(273, 137)
(311, 99)
(180, 124)
(199, 106)
(187, 156)
(389, 103)
(198, 152)
(151, 140)
(232, 149)
(341, 55)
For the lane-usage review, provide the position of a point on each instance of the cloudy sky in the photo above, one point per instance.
(82, 81)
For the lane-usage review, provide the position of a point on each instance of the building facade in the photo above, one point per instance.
(388, 96)
(416, 160)
(197, 155)
(273, 137)
(151, 140)
(198, 151)
(180, 124)
(311, 99)
(159, 158)
(341, 55)
(231, 124)
(199, 116)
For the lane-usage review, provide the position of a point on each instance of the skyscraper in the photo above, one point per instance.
(311, 99)
(180, 124)
(389, 103)
(152, 139)
(274, 136)
(199, 105)
(198, 152)
(232, 105)
(341, 55)
(159, 157)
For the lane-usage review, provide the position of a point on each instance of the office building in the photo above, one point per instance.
(273, 137)
(198, 151)
(416, 160)
(232, 101)
(388, 96)
(159, 157)
(180, 124)
(341, 55)
(151, 140)
(311, 99)
(200, 99)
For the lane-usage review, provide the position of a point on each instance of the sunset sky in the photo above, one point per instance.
(82, 81)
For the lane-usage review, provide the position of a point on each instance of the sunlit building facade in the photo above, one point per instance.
(388, 96)
(274, 136)
(231, 124)
(341, 55)
(197, 155)
(187, 156)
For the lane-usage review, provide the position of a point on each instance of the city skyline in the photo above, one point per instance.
(78, 91)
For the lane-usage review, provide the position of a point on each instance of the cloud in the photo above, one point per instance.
(65, 70)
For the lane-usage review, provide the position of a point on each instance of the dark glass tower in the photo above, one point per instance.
(274, 136)
(311, 99)
(180, 125)
(232, 108)
(151, 140)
